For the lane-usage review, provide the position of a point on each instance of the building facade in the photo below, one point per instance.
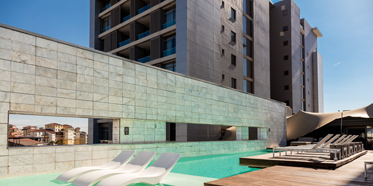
(296, 65)
(225, 42)
(138, 98)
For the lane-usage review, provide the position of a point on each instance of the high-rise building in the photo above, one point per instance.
(235, 43)
(226, 42)
(296, 65)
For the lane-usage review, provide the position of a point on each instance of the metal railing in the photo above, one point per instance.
(141, 10)
(144, 59)
(105, 7)
(124, 42)
(126, 18)
(168, 24)
(144, 34)
(169, 52)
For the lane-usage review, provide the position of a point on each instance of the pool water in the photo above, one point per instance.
(215, 166)
(187, 171)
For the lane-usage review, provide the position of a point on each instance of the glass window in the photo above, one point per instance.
(169, 66)
(253, 133)
(247, 26)
(233, 13)
(222, 52)
(233, 36)
(247, 7)
(247, 47)
(286, 57)
(169, 42)
(106, 24)
(233, 83)
(233, 59)
(247, 68)
(286, 43)
(170, 15)
(248, 86)
(286, 87)
(284, 13)
(285, 28)
(222, 28)
(286, 73)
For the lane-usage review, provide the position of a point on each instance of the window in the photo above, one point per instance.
(247, 26)
(302, 39)
(253, 133)
(286, 73)
(248, 86)
(233, 83)
(222, 28)
(106, 24)
(286, 57)
(169, 66)
(287, 103)
(169, 17)
(222, 4)
(248, 7)
(233, 60)
(247, 47)
(247, 68)
(169, 45)
(284, 13)
(302, 52)
(233, 13)
(222, 52)
(286, 87)
(286, 43)
(285, 28)
(233, 36)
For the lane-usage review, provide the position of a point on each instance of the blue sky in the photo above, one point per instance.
(346, 45)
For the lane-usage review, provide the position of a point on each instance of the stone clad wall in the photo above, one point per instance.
(44, 76)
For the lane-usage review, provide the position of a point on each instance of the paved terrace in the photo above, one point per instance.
(349, 174)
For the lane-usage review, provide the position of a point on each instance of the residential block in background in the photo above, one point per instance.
(236, 43)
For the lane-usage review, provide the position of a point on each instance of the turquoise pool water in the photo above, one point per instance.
(212, 166)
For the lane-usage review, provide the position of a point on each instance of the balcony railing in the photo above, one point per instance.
(144, 59)
(141, 10)
(105, 29)
(124, 42)
(168, 24)
(126, 18)
(169, 52)
(144, 34)
(105, 7)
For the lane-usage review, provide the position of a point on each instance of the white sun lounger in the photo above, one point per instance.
(139, 163)
(152, 175)
(72, 174)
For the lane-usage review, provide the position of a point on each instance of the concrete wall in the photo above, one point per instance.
(262, 85)
(318, 85)
(45, 76)
(198, 39)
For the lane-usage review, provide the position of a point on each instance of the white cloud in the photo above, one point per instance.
(337, 64)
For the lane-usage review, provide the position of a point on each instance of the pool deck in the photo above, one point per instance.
(349, 174)
(312, 160)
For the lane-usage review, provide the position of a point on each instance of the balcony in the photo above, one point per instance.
(105, 7)
(126, 18)
(168, 24)
(144, 59)
(124, 42)
(144, 34)
(143, 9)
(105, 29)
(169, 52)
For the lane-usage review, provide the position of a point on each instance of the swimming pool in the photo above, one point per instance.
(190, 171)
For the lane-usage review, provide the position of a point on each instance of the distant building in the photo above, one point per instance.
(54, 126)
(49, 136)
(77, 136)
(83, 138)
(68, 135)
(28, 129)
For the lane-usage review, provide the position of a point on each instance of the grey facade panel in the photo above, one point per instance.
(155, 48)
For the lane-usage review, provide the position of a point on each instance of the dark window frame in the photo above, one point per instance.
(233, 59)
(234, 83)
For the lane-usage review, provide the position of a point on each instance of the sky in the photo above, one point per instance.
(346, 45)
